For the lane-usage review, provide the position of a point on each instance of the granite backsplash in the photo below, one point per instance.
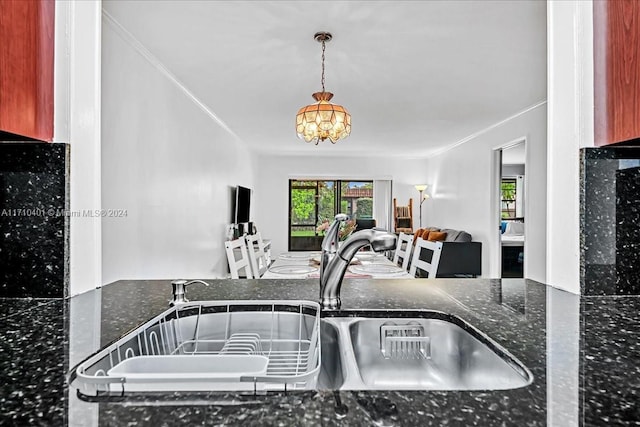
(34, 182)
(610, 221)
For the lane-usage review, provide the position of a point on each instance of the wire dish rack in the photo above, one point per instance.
(211, 345)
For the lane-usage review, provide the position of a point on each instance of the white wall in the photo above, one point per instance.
(462, 183)
(169, 162)
(512, 170)
(77, 122)
(570, 95)
(272, 175)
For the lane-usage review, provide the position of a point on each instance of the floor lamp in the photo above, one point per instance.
(421, 188)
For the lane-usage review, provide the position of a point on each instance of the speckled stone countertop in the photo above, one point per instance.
(582, 352)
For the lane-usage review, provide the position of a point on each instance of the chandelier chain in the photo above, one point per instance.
(322, 80)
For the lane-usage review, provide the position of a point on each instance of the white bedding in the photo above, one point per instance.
(514, 234)
(512, 240)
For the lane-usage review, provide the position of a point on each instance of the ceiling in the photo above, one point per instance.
(416, 76)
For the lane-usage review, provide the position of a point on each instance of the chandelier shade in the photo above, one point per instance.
(323, 120)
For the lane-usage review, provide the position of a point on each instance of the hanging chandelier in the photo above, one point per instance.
(322, 120)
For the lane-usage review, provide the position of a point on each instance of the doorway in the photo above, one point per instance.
(511, 214)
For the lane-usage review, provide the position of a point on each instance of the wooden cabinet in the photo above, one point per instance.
(26, 69)
(616, 38)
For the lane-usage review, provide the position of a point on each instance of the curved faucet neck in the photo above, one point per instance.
(332, 273)
(330, 241)
(329, 244)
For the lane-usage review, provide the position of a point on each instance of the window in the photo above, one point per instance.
(313, 201)
(356, 198)
(508, 198)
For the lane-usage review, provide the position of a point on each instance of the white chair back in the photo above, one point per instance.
(265, 249)
(234, 247)
(403, 249)
(430, 267)
(257, 255)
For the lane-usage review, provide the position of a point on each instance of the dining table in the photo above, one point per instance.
(306, 265)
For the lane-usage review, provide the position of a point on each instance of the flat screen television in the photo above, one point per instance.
(243, 204)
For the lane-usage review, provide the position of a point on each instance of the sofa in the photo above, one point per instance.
(460, 256)
(365, 223)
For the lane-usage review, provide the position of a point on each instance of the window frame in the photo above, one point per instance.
(510, 214)
(337, 194)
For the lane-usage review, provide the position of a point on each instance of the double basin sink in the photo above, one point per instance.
(245, 346)
(413, 350)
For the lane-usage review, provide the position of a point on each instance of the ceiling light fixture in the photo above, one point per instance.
(322, 120)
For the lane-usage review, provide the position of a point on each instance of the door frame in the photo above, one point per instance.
(495, 244)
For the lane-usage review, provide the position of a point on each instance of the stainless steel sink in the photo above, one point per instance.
(286, 345)
(419, 350)
(331, 371)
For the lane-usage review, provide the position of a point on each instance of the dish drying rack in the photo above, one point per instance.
(211, 345)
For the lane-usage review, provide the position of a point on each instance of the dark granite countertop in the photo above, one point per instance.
(583, 353)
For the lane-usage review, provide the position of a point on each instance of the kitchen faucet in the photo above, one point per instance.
(334, 262)
(330, 242)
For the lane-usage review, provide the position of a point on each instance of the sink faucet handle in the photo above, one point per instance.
(179, 290)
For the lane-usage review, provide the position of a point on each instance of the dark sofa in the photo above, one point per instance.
(365, 223)
(460, 257)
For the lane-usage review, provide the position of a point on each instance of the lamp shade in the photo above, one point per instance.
(421, 187)
(323, 120)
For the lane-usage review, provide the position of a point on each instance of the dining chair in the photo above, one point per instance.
(257, 255)
(266, 249)
(234, 247)
(431, 266)
(403, 250)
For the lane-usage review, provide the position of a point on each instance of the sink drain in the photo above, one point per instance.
(404, 341)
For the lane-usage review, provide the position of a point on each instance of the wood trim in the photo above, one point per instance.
(616, 33)
(26, 67)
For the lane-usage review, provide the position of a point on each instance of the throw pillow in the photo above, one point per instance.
(437, 236)
(425, 234)
(417, 235)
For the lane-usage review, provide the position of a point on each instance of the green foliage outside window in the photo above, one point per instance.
(326, 201)
(303, 208)
(344, 207)
(364, 208)
(508, 198)
(310, 197)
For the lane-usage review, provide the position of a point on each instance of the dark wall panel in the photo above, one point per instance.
(33, 220)
(610, 221)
